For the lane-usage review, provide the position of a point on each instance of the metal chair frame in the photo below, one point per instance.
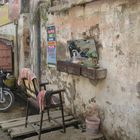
(48, 107)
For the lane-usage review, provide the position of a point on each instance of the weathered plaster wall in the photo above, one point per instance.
(23, 41)
(34, 36)
(8, 31)
(117, 95)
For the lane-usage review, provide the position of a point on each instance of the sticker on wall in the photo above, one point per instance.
(51, 47)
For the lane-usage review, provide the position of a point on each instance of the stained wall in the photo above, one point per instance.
(118, 34)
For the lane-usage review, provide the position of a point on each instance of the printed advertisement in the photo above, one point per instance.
(51, 47)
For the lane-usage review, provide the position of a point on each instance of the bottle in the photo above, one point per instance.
(74, 58)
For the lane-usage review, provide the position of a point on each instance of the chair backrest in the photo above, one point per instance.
(31, 87)
(28, 81)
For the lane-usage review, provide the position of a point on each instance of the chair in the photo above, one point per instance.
(32, 89)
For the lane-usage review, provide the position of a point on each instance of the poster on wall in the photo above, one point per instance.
(51, 47)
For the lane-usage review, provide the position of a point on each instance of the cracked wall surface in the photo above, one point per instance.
(119, 38)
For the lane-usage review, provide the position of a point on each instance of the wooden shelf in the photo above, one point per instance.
(62, 66)
(88, 72)
(76, 69)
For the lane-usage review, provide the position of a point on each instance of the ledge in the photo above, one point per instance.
(59, 8)
(73, 3)
(77, 69)
(80, 2)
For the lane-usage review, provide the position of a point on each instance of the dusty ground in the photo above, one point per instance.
(71, 134)
(18, 110)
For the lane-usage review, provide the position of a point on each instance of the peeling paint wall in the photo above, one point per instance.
(8, 31)
(35, 37)
(118, 95)
(28, 38)
(23, 41)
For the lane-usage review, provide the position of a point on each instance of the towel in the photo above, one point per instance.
(41, 100)
(26, 73)
(45, 98)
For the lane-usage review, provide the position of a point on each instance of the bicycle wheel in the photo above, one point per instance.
(8, 100)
